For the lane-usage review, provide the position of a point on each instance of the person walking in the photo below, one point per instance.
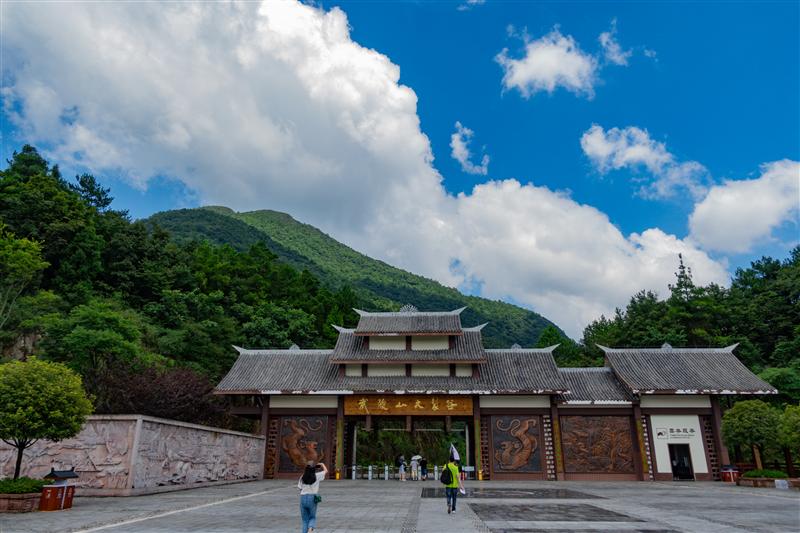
(415, 466)
(423, 466)
(309, 494)
(452, 484)
(401, 467)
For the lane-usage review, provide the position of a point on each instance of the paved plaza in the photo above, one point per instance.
(381, 506)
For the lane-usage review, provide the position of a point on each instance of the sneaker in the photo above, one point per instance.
(454, 511)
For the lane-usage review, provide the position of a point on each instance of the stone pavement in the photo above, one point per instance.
(381, 506)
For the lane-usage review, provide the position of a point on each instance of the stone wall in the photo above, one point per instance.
(132, 454)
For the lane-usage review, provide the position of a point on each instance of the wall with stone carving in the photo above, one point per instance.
(100, 453)
(130, 454)
(170, 454)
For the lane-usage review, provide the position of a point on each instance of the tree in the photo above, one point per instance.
(93, 339)
(789, 435)
(786, 380)
(20, 262)
(177, 393)
(39, 400)
(751, 423)
(568, 352)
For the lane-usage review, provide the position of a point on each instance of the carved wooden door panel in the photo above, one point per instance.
(302, 439)
(597, 444)
(516, 444)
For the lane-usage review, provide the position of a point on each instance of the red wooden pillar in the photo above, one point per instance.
(555, 424)
(640, 445)
(265, 431)
(716, 424)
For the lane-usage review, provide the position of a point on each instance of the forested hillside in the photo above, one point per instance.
(148, 319)
(379, 285)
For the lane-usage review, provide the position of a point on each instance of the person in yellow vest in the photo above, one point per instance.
(452, 484)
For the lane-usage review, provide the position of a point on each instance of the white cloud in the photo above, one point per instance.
(552, 61)
(611, 48)
(469, 4)
(633, 148)
(736, 215)
(275, 106)
(459, 144)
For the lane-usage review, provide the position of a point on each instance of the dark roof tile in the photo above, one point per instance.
(593, 386)
(684, 371)
(409, 322)
(466, 348)
(287, 371)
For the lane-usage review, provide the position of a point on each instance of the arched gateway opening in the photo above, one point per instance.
(389, 437)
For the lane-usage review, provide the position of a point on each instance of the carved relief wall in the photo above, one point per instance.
(303, 439)
(180, 455)
(130, 454)
(516, 444)
(100, 453)
(597, 444)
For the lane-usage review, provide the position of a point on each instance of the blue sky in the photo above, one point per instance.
(254, 122)
(723, 91)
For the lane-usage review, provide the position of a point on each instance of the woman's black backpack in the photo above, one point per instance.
(447, 476)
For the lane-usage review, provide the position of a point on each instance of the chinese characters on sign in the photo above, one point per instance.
(407, 405)
(675, 433)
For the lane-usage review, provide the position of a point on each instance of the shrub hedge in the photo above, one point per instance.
(22, 485)
(773, 474)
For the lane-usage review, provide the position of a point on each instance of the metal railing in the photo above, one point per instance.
(388, 472)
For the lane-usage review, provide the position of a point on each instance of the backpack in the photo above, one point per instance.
(447, 476)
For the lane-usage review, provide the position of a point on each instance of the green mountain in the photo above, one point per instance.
(380, 286)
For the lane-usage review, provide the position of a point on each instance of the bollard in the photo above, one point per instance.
(354, 472)
(435, 471)
(369, 474)
(386, 472)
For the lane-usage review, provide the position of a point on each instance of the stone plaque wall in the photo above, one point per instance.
(101, 454)
(130, 454)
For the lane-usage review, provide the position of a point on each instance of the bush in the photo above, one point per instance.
(772, 474)
(39, 400)
(23, 485)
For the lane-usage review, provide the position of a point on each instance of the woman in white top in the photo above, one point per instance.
(309, 488)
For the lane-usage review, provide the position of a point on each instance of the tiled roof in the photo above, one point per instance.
(305, 371)
(593, 386)
(352, 348)
(684, 371)
(409, 322)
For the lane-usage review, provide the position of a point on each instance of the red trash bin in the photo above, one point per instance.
(52, 497)
(729, 474)
(69, 493)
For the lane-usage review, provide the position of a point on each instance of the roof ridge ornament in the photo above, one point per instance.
(408, 308)
(666, 346)
(294, 348)
(516, 346)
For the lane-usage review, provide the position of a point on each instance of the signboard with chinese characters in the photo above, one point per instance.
(403, 404)
(678, 429)
(675, 433)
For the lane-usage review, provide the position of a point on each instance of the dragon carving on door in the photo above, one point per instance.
(303, 439)
(516, 444)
